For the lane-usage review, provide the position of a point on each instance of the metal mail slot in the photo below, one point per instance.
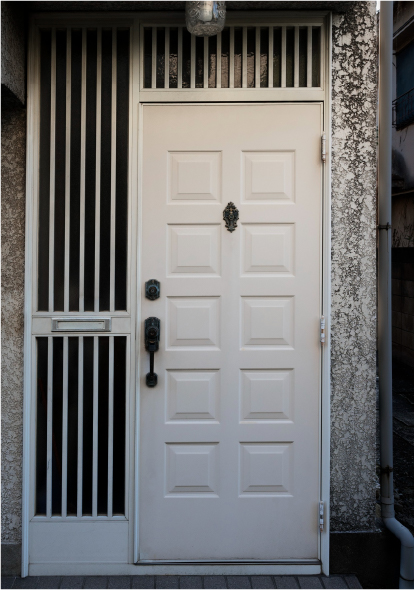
(81, 325)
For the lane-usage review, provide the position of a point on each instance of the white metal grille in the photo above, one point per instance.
(83, 168)
(81, 385)
(287, 56)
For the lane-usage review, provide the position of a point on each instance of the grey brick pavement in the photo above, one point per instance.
(180, 582)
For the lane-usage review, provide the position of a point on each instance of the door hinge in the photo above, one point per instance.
(322, 329)
(323, 148)
(321, 515)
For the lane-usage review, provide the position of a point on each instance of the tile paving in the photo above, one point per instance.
(180, 582)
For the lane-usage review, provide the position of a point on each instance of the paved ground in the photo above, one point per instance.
(208, 582)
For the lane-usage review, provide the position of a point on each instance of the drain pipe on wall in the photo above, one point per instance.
(406, 574)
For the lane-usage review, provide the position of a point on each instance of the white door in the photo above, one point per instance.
(229, 463)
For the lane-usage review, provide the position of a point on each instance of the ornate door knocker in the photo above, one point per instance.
(231, 216)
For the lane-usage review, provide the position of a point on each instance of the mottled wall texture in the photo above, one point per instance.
(13, 145)
(353, 330)
(13, 48)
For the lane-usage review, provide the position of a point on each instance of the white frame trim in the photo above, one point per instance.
(137, 97)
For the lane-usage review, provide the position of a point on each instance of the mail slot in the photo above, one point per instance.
(81, 325)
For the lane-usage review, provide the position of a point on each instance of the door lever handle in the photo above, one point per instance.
(152, 339)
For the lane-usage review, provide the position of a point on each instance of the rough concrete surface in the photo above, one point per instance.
(353, 327)
(13, 143)
(13, 48)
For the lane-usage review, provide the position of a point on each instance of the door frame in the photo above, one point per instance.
(138, 99)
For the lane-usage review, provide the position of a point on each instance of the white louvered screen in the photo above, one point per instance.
(241, 57)
(82, 283)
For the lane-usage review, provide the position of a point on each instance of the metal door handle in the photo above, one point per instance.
(152, 339)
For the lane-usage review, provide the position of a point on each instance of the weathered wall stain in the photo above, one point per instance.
(353, 330)
(13, 144)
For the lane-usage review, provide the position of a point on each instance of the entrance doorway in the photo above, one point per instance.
(229, 461)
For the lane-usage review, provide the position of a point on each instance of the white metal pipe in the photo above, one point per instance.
(385, 297)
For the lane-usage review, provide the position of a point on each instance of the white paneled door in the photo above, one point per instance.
(229, 463)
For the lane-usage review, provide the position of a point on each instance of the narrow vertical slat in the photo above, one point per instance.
(180, 57)
(67, 168)
(52, 169)
(283, 56)
(110, 422)
(244, 57)
(82, 194)
(270, 57)
(154, 58)
(296, 57)
(166, 57)
(95, 433)
(193, 62)
(113, 164)
(219, 60)
(49, 430)
(98, 171)
(65, 426)
(206, 62)
(232, 57)
(257, 57)
(80, 422)
(309, 57)
(321, 73)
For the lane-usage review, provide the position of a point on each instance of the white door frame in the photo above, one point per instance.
(138, 98)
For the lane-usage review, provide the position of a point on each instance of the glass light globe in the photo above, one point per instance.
(205, 19)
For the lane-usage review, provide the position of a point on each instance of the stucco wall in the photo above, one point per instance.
(13, 48)
(13, 144)
(353, 333)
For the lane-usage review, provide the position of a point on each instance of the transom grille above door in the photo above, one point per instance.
(266, 56)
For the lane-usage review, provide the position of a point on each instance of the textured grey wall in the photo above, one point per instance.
(13, 48)
(13, 144)
(353, 356)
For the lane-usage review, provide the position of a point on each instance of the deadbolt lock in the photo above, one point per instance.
(152, 289)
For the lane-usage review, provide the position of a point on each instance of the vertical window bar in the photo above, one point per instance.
(82, 194)
(49, 429)
(283, 57)
(95, 434)
(113, 163)
(98, 170)
(65, 426)
(257, 57)
(321, 72)
(309, 57)
(244, 57)
(52, 169)
(44, 172)
(166, 57)
(206, 62)
(179, 57)
(296, 57)
(80, 421)
(219, 60)
(192, 61)
(67, 168)
(271, 57)
(110, 423)
(232, 58)
(154, 58)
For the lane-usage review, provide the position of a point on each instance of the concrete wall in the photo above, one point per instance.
(353, 275)
(13, 48)
(13, 144)
(353, 333)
